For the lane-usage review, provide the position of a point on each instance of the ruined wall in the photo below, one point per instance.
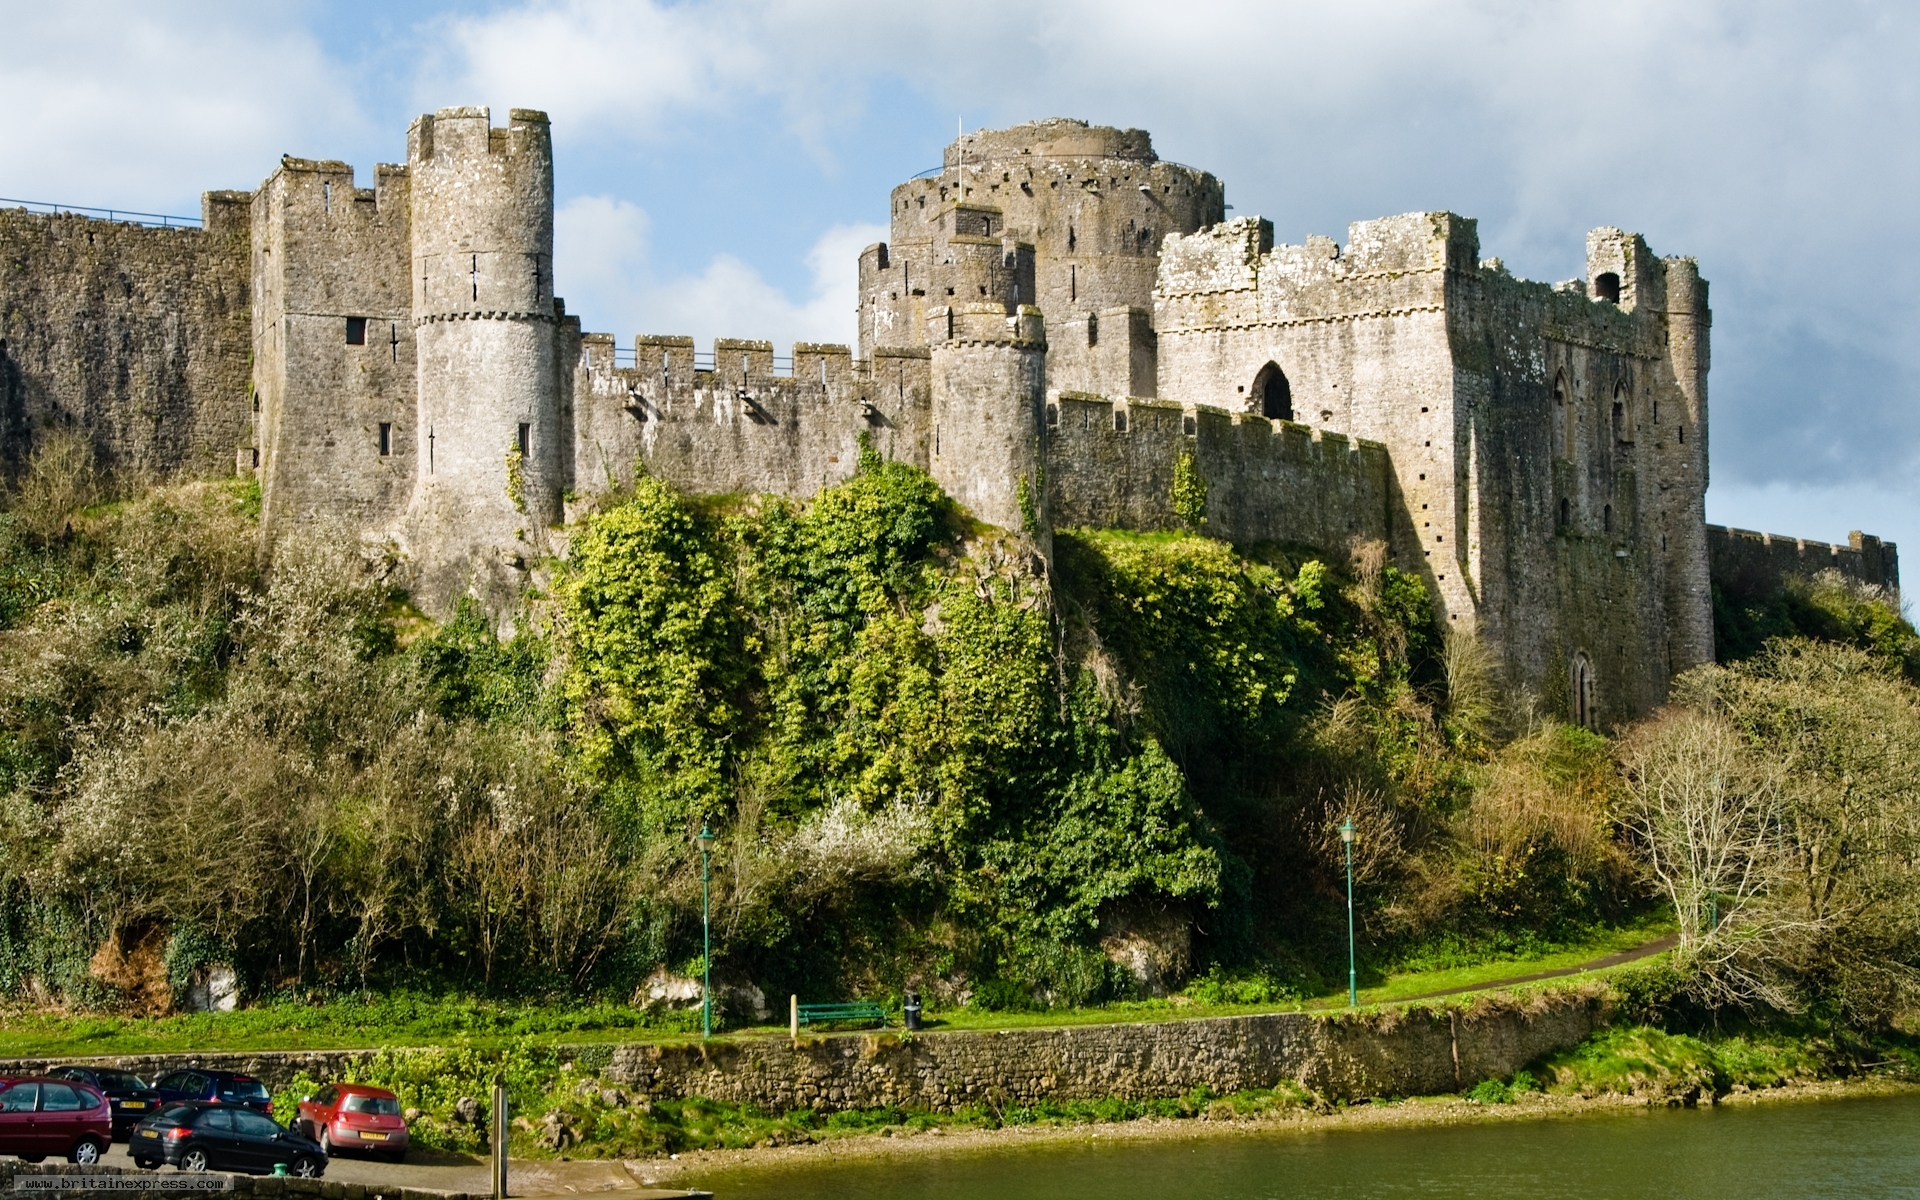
(1414, 1051)
(739, 427)
(334, 418)
(1111, 465)
(137, 335)
(1755, 566)
(1094, 202)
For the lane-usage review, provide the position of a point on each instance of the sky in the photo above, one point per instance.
(719, 165)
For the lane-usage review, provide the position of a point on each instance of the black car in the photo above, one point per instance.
(131, 1100)
(198, 1136)
(224, 1087)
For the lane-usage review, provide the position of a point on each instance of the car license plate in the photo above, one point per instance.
(148, 1133)
(133, 1104)
(372, 1137)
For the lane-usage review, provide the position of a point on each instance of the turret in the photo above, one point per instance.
(489, 473)
(989, 402)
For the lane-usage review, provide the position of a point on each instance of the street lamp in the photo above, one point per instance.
(706, 840)
(1353, 976)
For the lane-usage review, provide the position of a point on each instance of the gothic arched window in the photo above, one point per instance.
(1585, 711)
(1275, 394)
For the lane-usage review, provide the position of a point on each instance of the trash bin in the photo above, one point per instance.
(912, 1010)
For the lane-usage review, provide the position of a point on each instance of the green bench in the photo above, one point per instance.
(817, 1014)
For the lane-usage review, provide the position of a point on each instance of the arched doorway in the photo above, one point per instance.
(1273, 393)
(1585, 712)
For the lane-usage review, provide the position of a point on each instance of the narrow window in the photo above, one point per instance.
(1189, 425)
(256, 402)
(1566, 512)
(256, 457)
(386, 439)
(1073, 282)
(1053, 416)
(474, 274)
(393, 338)
(526, 439)
(1606, 518)
(356, 331)
(1119, 420)
(1682, 429)
(326, 197)
(1584, 708)
(1606, 286)
(1093, 329)
(1619, 422)
(1275, 393)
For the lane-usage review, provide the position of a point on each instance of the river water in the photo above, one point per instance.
(1858, 1147)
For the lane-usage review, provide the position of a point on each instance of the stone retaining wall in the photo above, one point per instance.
(1404, 1052)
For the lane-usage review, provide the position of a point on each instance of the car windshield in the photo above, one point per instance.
(379, 1106)
(118, 1079)
(243, 1089)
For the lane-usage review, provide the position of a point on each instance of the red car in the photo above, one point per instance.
(355, 1117)
(41, 1116)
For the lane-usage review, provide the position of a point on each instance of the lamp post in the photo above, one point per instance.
(706, 840)
(1353, 975)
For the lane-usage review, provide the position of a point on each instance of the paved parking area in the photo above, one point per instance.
(459, 1173)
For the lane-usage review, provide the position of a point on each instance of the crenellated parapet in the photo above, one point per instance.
(1112, 463)
(737, 421)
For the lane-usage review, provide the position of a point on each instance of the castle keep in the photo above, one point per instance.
(1059, 323)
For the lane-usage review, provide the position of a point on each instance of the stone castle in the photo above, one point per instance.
(1060, 322)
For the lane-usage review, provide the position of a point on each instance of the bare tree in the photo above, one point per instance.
(1708, 814)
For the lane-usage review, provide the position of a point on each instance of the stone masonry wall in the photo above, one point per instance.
(739, 427)
(1405, 1052)
(1754, 566)
(1110, 464)
(137, 335)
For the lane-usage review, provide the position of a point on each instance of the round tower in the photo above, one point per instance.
(989, 411)
(489, 474)
(1095, 203)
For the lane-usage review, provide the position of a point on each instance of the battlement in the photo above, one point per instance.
(1059, 137)
(1747, 565)
(986, 325)
(1111, 463)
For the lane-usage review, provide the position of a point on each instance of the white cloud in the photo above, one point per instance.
(603, 269)
(121, 104)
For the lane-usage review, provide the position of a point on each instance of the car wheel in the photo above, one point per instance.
(304, 1166)
(194, 1160)
(86, 1152)
(326, 1143)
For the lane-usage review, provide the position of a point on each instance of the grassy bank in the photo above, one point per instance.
(400, 1020)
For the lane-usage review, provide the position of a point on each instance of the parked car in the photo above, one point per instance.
(223, 1086)
(129, 1098)
(197, 1135)
(40, 1116)
(354, 1116)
